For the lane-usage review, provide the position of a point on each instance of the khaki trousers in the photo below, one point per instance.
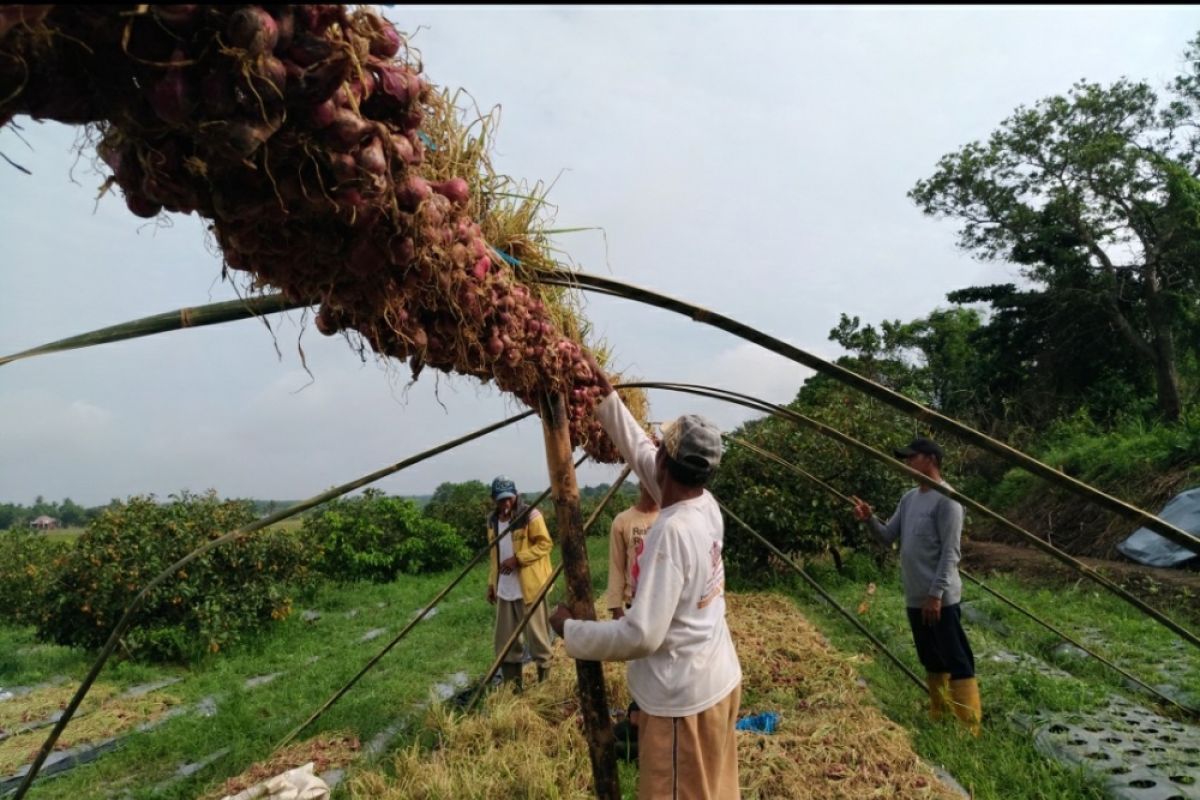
(509, 614)
(690, 758)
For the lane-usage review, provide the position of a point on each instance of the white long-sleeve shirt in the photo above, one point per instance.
(508, 587)
(682, 658)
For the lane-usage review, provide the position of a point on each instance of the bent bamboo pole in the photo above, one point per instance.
(1002, 598)
(828, 598)
(483, 551)
(136, 604)
(195, 317)
(541, 596)
(878, 392)
(225, 312)
(786, 413)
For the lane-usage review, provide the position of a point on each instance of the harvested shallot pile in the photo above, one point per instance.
(300, 132)
(832, 740)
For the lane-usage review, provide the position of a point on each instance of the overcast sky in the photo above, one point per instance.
(751, 160)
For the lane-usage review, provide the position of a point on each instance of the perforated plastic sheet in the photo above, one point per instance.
(1138, 754)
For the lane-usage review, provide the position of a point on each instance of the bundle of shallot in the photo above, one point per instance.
(298, 131)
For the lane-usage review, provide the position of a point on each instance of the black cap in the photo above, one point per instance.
(920, 445)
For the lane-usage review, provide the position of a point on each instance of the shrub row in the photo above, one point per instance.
(76, 593)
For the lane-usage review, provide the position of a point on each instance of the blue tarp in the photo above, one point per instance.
(1147, 547)
(766, 722)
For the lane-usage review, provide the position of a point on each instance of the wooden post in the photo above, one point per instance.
(593, 701)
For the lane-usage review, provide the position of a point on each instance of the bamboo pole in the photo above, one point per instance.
(1067, 638)
(894, 399)
(786, 413)
(136, 604)
(1002, 598)
(195, 317)
(483, 551)
(767, 454)
(541, 596)
(593, 701)
(828, 598)
(579, 280)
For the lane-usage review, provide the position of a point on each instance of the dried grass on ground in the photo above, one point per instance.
(832, 742)
(328, 751)
(102, 715)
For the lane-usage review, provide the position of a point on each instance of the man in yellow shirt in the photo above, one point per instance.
(519, 567)
(625, 542)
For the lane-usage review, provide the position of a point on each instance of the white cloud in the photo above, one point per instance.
(751, 160)
(745, 368)
(88, 415)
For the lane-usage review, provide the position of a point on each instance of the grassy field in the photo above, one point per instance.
(64, 534)
(292, 524)
(314, 659)
(1004, 762)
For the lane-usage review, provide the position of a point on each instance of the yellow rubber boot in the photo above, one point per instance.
(964, 698)
(939, 690)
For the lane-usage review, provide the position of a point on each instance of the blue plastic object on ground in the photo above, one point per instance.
(766, 722)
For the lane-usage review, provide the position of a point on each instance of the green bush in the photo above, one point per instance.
(234, 589)
(1110, 459)
(375, 537)
(464, 507)
(864, 566)
(589, 500)
(28, 565)
(792, 512)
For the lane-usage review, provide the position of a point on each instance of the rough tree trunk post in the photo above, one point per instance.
(592, 696)
(1162, 340)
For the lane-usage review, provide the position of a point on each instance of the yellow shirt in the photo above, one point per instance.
(625, 542)
(532, 546)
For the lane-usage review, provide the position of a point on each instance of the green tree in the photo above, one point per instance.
(216, 600)
(70, 513)
(589, 501)
(464, 507)
(10, 515)
(1029, 366)
(797, 516)
(932, 359)
(29, 567)
(376, 537)
(879, 354)
(1094, 195)
(41, 507)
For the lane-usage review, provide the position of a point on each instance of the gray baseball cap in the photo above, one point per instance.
(694, 442)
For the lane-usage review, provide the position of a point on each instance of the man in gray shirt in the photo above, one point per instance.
(929, 526)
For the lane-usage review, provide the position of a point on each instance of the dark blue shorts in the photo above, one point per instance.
(943, 647)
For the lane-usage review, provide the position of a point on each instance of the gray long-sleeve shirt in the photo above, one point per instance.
(929, 526)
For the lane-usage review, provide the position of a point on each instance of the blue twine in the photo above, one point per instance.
(428, 142)
(512, 262)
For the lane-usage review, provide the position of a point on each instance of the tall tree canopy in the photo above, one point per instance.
(1095, 195)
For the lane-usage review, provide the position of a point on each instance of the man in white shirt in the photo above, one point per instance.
(683, 672)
